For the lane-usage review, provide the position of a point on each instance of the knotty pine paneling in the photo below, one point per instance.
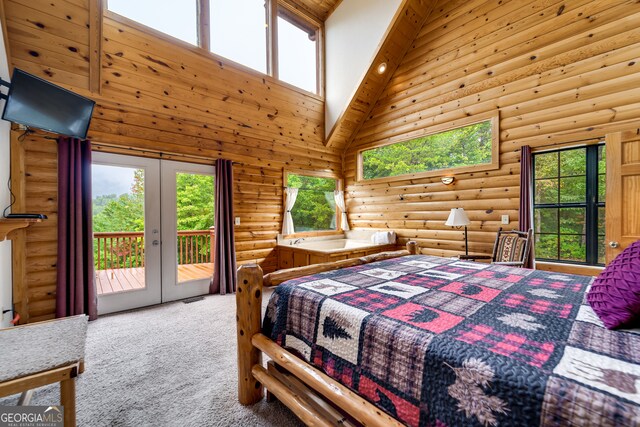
(557, 71)
(162, 95)
(35, 300)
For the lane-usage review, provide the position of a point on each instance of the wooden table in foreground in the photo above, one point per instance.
(44, 353)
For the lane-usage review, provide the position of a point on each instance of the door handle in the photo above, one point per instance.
(614, 244)
(156, 243)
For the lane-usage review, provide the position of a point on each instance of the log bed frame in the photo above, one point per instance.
(312, 395)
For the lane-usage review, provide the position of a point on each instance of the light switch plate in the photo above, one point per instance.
(237, 221)
(505, 219)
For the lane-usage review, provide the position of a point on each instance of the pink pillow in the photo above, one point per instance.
(615, 293)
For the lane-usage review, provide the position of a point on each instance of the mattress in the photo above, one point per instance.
(443, 342)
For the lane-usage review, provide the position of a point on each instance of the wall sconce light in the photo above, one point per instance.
(446, 180)
(382, 68)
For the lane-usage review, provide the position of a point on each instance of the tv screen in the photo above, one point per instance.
(36, 103)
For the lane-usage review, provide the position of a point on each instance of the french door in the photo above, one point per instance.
(153, 240)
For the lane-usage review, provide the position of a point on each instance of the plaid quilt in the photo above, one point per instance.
(442, 342)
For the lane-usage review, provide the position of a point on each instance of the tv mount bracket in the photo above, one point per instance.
(5, 84)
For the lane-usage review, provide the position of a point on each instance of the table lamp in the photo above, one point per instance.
(458, 218)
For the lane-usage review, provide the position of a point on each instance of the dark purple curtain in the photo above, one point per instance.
(224, 264)
(76, 288)
(525, 214)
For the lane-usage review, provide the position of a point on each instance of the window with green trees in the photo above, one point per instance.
(462, 147)
(569, 203)
(315, 207)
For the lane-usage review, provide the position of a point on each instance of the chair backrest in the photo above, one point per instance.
(512, 246)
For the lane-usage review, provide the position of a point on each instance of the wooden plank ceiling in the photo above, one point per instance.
(319, 9)
(401, 33)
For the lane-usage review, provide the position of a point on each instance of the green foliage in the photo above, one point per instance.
(466, 146)
(315, 208)
(560, 178)
(195, 197)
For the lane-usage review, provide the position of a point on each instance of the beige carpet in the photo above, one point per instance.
(169, 365)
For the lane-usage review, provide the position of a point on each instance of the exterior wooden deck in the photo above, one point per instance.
(128, 279)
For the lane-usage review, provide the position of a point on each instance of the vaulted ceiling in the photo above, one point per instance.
(320, 9)
(401, 33)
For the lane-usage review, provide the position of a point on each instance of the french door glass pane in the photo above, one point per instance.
(573, 248)
(195, 211)
(238, 31)
(573, 189)
(118, 227)
(602, 159)
(602, 188)
(572, 221)
(573, 162)
(546, 191)
(179, 21)
(601, 250)
(546, 220)
(546, 246)
(546, 165)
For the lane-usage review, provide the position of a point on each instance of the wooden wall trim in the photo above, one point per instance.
(584, 270)
(18, 248)
(401, 32)
(96, 12)
(204, 24)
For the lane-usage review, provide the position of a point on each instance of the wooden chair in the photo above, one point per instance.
(511, 248)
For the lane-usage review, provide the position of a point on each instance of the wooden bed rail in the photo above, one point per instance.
(360, 409)
(274, 279)
(251, 344)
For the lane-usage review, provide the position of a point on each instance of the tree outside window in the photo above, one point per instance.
(315, 207)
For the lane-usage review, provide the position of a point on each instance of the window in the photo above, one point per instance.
(244, 31)
(163, 15)
(463, 149)
(238, 31)
(569, 195)
(315, 207)
(297, 51)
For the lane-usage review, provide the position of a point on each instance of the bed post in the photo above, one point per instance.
(248, 318)
(412, 247)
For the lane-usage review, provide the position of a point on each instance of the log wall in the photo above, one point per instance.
(162, 95)
(557, 72)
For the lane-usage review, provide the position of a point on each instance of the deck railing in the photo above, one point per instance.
(126, 249)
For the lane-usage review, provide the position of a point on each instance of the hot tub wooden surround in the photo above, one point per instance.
(293, 256)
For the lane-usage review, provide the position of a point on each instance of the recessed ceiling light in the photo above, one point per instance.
(382, 68)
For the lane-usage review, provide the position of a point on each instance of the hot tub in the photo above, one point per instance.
(310, 252)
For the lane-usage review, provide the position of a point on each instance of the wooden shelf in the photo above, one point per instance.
(9, 225)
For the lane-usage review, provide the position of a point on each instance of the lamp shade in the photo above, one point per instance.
(457, 218)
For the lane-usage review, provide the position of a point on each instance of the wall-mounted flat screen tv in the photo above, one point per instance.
(36, 103)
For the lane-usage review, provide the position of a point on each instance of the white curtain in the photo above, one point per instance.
(331, 200)
(287, 223)
(339, 198)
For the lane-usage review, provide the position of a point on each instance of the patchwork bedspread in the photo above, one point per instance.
(442, 342)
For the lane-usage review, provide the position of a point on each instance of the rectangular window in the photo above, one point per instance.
(315, 207)
(569, 196)
(297, 51)
(238, 31)
(460, 149)
(162, 15)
